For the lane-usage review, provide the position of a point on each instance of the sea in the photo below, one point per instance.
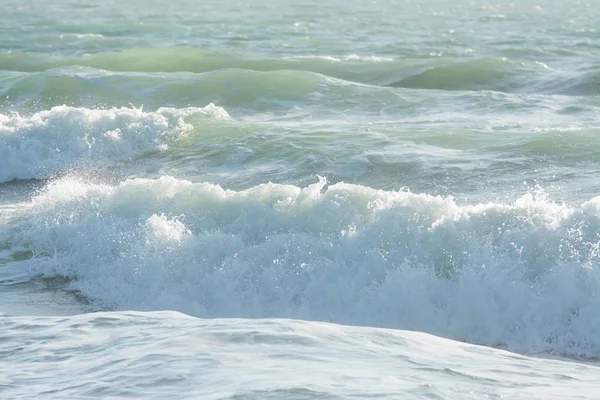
(300, 199)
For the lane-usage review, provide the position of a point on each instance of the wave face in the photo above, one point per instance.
(66, 138)
(520, 275)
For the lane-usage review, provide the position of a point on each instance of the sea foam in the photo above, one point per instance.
(52, 141)
(520, 275)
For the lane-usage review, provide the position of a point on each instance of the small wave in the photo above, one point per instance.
(499, 74)
(48, 142)
(521, 275)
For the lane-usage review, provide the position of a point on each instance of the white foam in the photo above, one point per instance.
(51, 141)
(522, 275)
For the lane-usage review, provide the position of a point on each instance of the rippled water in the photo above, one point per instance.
(426, 166)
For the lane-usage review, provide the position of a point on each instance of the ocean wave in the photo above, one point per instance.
(426, 72)
(178, 59)
(246, 89)
(498, 74)
(520, 275)
(48, 142)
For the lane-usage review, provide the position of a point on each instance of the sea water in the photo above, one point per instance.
(300, 199)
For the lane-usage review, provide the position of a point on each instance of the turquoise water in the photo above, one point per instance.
(298, 179)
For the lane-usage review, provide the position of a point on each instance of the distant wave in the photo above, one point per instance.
(427, 72)
(520, 275)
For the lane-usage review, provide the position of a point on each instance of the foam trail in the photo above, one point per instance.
(522, 275)
(51, 141)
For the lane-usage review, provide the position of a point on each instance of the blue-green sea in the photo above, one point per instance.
(299, 199)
